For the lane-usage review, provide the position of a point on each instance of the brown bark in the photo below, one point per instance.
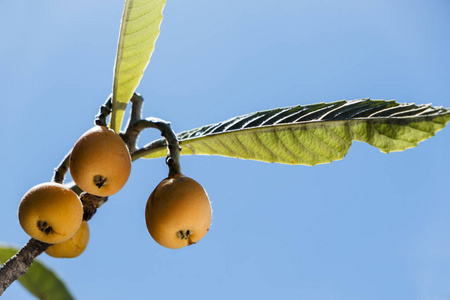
(18, 265)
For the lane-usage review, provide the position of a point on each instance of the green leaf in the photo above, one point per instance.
(39, 280)
(311, 134)
(139, 30)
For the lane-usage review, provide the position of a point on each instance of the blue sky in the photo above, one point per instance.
(371, 226)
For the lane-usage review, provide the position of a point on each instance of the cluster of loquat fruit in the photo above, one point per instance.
(177, 214)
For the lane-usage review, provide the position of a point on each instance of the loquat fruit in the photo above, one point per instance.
(178, 212)
(50, 212)
(100, 163)
(74, 246)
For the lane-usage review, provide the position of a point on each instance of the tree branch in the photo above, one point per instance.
(18, 265)
(90, 204)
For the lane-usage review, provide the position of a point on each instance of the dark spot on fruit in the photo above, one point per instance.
(44, 227)
(184, 234)
(100, 181)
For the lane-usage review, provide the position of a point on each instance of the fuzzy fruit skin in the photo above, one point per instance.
(100, 153)
(50, 213)
(74, 246)
(177, 206)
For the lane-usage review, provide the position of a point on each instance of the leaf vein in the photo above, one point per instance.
(138, 45)
(289, 151)
(250, 153)
(326, 144)
(152, 11)
(274, 156)
(299, 141)
(336, 135)
(233, 153)
(156, 20)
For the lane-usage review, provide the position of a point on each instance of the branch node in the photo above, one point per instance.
(90, 204)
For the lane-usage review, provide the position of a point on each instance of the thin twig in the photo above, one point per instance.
(136, 125)
(104, 112)
(60, 171)
(131, 135)
(137, 102)
(173, 155)
(150, 148)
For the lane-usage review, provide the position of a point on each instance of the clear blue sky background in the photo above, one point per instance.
(371, 226)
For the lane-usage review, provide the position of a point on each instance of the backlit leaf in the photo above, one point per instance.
(139, 30)
(311, 134)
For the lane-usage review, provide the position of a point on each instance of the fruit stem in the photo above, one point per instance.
(136, 125)
(104, 112)
(173, 156)
(60, 171)
(171, 140)
(173, 147)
